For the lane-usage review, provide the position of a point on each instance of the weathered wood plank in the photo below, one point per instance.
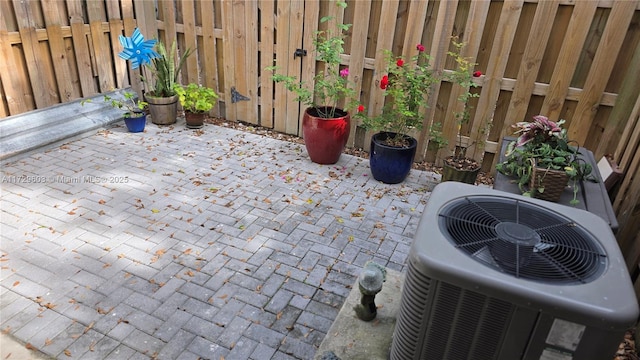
(81, 48)
(267, 32)
(101, 49)
(63, 73)
(129, 24)
(495, 68)
(12, 84)
(229, 59)
(530, 65)
(294, 112)
(612, 40)
(209, 64)
(359, 32)
(191, 41)
(472, 39)
(31, 50)
(621, 112)
(116, 27)
(567, 60)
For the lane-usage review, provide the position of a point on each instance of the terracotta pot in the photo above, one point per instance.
(194, 120)
(391, 164)
(325, 139)
(163, 109)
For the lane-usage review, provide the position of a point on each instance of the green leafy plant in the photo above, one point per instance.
(195, 98)
(329, 86)
(543, 143)
(131, 107)
(406, 87)
(164, 71)
(463, 76)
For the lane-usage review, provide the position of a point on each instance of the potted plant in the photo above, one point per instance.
(406, 86)
(196, 101)
(459, 167)
(162, 98)
(325, 126)
(160, 73)
(543, 161)
(134, 110)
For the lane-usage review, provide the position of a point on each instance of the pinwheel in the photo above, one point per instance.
(137, 49)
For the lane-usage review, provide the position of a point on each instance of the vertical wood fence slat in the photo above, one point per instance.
(282, 64)
(621, 112)
(168, 12)
(30, 46)
(267, 30)
(190, 39)
(12, 86)
(210, 63)
(116, 27)
(81, 48)
(295, 28)
(386, 34)
(530, 66)
(569, 55)
(472, 39)
(495, 69)
(130, 24)
(630, 139)
(229, 60)
(101, 48)
(310, 27)
(611, 41)
(439, 49)
(56, 44)
(250, 76)
(359, 32)
(238, 80)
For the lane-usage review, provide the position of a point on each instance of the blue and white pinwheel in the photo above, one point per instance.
(137, 49)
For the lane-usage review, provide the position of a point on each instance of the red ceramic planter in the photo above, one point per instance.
(325, 139)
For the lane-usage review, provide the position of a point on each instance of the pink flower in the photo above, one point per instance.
(344, 72)
(384, 82)
(477, 73)
(420, 47)
(400, 62)
(360, 108)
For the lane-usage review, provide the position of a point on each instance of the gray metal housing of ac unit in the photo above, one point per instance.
(454, 307)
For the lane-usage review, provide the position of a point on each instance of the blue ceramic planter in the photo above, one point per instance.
(135, 124)
(390, 164)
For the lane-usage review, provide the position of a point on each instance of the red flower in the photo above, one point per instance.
(384, 82)
(360, 108)
(400, 62)
(477, 73)
(420, 47)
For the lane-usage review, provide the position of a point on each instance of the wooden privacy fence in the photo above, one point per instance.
(567, 59)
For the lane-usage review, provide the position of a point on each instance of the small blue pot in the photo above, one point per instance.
(390, 164)
(136, 124)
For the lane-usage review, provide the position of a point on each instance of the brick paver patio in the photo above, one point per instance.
(187, 244)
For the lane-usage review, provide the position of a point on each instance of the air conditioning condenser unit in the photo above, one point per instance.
(493, 275)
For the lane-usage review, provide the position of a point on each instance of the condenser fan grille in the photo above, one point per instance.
(522, 239)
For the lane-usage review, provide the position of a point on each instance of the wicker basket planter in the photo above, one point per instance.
(548, 184)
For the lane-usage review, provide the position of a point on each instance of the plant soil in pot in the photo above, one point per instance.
(162, 109)
(194, 120)
(135, 124)
(325, 138)
(460, 169)
(391, 164)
